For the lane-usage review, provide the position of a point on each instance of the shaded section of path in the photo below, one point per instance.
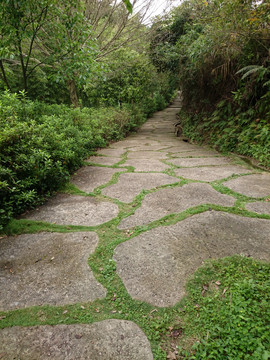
(134, 182)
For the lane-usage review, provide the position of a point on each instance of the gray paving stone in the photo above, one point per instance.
(47, 268)
(67, 209)
(195, 153)
(259, 207)
(256, 185)
(175, 200)
(89, 177)
(211, 173)
(148, 155)
(105, 340)
(191, 162)
(146, 165)
(182, 147)
(103, 160)
(131, 184)
(146, 147)
(112, 152)
(155, 265)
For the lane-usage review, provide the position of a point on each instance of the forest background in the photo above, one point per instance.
(75, 75)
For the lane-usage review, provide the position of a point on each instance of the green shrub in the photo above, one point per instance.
(41, 145)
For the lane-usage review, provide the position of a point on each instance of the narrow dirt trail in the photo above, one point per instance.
(148, 211)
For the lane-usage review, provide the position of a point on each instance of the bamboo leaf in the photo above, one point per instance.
(128, 5)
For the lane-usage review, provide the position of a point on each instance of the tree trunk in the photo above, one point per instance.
(73, 93)
(4, 75)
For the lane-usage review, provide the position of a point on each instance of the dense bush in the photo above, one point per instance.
(223, 65)
(131, 79)
(41, 145)
(232, 127)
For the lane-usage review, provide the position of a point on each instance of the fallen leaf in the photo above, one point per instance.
(205, 288)
(82, 307)
(176, 332)
(223, 293)
(218, 283)
(65, 312)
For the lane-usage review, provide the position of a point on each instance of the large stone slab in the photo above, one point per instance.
(211, 173)
(146, 147)
(155, 265)
(191, 162)
(259, 207)
(147, 155)
(182, 147)
(195, 154)
(47, 268)
(89, 177)
(256, 185)
(131, 184)
(112, 152)
(146, 165)
(104, 160)
(108, 339)
(174, 200)
(67, 209)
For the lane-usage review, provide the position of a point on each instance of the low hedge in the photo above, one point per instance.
(41, 145)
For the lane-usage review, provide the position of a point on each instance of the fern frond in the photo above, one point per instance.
(251, 69)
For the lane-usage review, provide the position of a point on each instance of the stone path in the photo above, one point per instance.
(189, 203)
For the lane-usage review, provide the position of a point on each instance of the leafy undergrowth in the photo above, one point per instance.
(226, 313)
(233, 128)
(41, 145)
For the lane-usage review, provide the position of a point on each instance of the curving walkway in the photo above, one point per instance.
(150, 209)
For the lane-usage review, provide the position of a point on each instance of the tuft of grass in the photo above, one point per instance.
(226, 313)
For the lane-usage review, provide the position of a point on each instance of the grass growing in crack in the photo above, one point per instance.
(226, 313)
(72, 189)
(23, 226)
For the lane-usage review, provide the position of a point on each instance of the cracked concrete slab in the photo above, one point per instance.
(174, 200)
(155, 265)
(146, 165)
(90, 177)
(47, 268)
(104, 160)
(130, 185)
(211, 173)
(108, 339)
(256, 185)
(259, 207)
(191, 162)
(67, 209)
